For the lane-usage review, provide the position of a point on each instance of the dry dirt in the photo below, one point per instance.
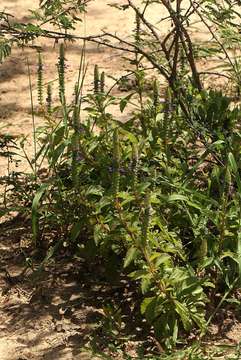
(49, 317)
(54, 323)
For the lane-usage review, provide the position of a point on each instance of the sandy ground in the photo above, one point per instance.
(49, 319)
(59, 316)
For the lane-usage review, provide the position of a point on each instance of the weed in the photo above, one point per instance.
(159, 194)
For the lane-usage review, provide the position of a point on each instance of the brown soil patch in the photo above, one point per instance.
(49, 317)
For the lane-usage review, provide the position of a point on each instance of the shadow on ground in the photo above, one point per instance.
(55, 314)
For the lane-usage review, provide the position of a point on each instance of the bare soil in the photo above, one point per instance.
(57, 314)
(48, 317)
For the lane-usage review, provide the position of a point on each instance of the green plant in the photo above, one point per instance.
(40, 80)
(116, 216)
(157, 197)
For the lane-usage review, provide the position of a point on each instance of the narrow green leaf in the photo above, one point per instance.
(125, 101)
(75, 231)
(177, 197)
(183, 312)
(130, 256)
(35, 213)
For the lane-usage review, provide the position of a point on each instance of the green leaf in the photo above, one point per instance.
(138, 274)
(131, 255)
(191, 289)
(146, 283)
(94, 190)
(104, 201)
(151, 307)
(234, 167)
(199, 319)
(126, 197)
(75, 231)
(5, 49)
(57, 153)
(58, 135)
(232, 163)
(230, 255)
(35, 213)
(160, 259)
(145, 303)
(206, 263)
(131, 137)
(125, 101)
(239, 254)
(203, 157)
(175, 331)
(177, 197)
(50, 253)
(159, 117)
(183, 312)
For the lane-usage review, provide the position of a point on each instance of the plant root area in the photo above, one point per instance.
(56, 313)
(59, 312)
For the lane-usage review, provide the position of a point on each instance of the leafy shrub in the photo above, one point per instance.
(159, 194)
(144, 196)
